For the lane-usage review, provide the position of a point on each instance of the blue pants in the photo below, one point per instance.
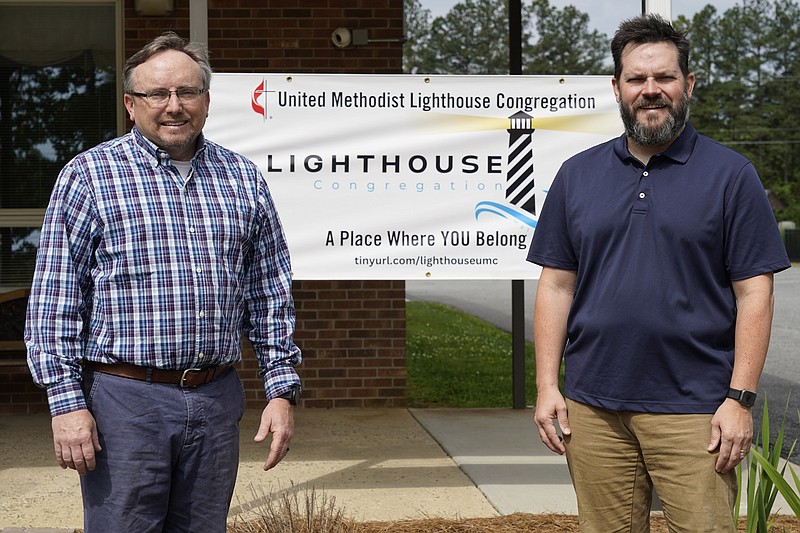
(170, 455)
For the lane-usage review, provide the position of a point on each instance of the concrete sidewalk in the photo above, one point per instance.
(500, 451)
(378, 464)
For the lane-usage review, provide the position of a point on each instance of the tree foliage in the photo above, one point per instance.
(565, 44)
(47, 115)
(472, 38)
(747, 62)
(418, 28)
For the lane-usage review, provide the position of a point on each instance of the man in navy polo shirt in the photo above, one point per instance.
(658, 251)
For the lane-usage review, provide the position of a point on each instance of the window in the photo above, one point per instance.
(59, 66)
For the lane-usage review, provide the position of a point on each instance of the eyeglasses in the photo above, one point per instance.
(162, 96)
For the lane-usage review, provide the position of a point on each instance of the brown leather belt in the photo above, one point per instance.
(191, 377)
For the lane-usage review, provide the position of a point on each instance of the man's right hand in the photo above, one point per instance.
(76, 440)
(550, 406)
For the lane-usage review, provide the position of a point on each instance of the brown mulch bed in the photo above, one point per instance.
(520, 522)
(514, 523)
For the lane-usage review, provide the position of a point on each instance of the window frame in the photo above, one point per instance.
(33, 218)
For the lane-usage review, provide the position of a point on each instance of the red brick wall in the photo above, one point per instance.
(284, 35)
(353, 336)
(18, 394)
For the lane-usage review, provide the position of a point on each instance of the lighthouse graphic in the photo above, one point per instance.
(520, 198)
(519, 178)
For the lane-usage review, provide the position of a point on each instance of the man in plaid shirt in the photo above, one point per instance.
(159, 249)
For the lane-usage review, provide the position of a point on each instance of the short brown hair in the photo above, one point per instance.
(649, 28)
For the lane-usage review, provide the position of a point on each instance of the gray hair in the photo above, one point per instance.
(167, 41)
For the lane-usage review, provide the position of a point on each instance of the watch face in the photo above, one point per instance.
(748, 398)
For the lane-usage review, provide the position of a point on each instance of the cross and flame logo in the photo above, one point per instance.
(260, 91)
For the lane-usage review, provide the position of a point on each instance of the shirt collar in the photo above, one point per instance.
(682, 148)
(679, 151)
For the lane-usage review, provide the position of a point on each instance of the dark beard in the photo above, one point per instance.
(645, 135)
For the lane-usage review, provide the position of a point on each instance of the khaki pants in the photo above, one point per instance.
(615, 459)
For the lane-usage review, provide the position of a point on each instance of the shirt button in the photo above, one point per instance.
(202, 314)
(198, 270)
(642, 195)
(645, 173)
(191, 230)
(201, 355)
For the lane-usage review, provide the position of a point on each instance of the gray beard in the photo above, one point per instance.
(645, 135)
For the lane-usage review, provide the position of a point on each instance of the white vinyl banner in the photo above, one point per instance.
(405, 176)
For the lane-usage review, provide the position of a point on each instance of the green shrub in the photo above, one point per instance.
(765, 478)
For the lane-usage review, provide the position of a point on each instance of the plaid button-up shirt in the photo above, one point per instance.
(139, 265)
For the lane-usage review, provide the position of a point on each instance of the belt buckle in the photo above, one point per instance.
(183, 376)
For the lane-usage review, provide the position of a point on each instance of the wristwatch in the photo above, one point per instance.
(293, 395)
(744, 397)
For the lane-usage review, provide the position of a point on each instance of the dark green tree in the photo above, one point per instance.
(565, 44)
(416, 49)
(472, 38)
(747, 94)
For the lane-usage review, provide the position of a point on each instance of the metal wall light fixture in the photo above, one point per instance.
(154, 8)
(345, 37)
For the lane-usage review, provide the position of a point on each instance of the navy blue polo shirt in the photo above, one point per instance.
(651, 327)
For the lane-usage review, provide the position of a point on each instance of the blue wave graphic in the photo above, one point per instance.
(504, 211)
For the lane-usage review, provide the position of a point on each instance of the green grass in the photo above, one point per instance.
(454, 359)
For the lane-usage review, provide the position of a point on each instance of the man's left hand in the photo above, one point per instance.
(731, 433)
(278, 419)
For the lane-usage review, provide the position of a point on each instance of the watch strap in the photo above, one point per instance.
(293, 395)
(744, 397)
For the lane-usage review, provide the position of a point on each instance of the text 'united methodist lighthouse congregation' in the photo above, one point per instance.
(432, 101)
